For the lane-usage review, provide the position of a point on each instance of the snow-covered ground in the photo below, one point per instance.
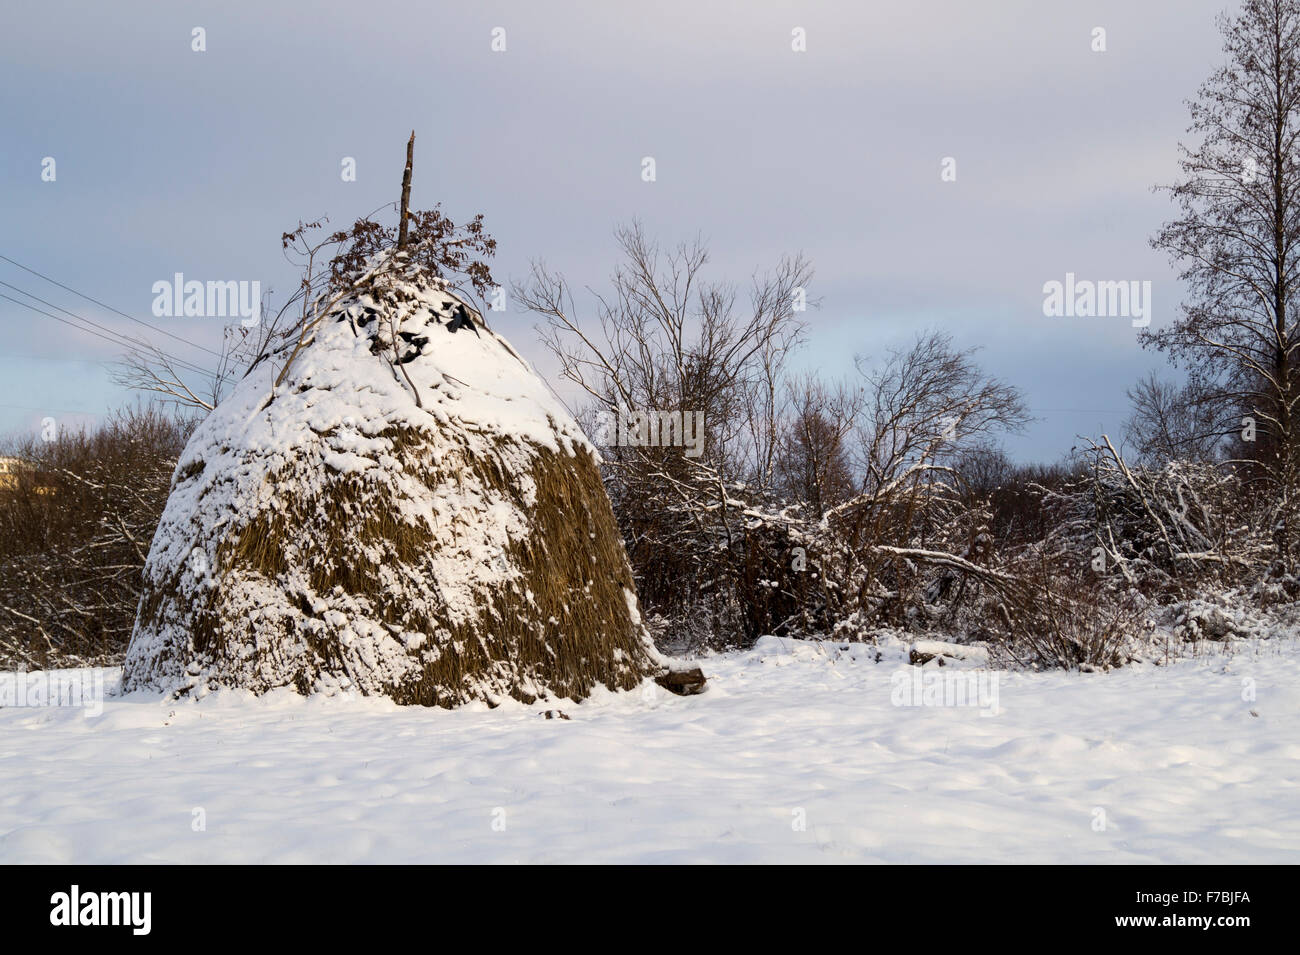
(796, 753)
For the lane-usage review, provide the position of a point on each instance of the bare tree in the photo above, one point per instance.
(666, 339)
(151, 370)
(923, 407)
(1170, 422)
(1236, 240)
(813, 464)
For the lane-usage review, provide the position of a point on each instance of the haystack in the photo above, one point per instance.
(410, 513)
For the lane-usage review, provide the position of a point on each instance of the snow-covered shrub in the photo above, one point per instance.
(1055, 618)
(1168, 530)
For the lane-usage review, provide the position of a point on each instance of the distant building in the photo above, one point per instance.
(12, 468)
(9, 468)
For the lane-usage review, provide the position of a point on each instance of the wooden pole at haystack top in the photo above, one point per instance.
(406, 192)
(309, 323)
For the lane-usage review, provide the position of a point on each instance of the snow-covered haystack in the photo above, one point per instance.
(411, 513)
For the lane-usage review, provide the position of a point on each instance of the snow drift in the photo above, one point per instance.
(410, 513)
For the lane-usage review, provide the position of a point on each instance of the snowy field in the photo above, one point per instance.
(797, 753)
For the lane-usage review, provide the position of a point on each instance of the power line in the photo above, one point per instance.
(63, 320)
(95, 414)
(89, 331)
(113, 338)
(110, 308)
(1079, 410)
(126, 339)
(18, 356)
(117, 338)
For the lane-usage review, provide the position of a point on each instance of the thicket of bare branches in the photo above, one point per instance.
(824, 507)
(1051, 616)
(76, 522)
(666, 338)
(815, 506)
(1165, 528)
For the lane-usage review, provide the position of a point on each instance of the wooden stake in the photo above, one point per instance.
(406, 192)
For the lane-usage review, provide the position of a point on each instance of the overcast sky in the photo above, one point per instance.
(170, 160)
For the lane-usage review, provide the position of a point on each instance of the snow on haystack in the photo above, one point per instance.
(409, 513)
